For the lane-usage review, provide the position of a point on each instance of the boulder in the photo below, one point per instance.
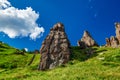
(55, 49)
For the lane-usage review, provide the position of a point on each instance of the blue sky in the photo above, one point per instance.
(96, 16)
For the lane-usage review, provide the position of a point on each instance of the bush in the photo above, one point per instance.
(7, 65)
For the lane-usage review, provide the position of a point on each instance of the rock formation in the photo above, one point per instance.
(117, 26)
(108, 43)
(55, 49)
(114, 41)
(87, 41)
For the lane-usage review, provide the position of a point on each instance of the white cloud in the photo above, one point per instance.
(19, 22)
(4, 4)
(26, 49)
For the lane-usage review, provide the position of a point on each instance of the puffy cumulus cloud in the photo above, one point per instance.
(4, 4)
(19, 22)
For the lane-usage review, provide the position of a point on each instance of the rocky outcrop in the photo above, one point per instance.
(55, 49)
(114, 41)
(117, 26)
(87, 41)
(108, 43)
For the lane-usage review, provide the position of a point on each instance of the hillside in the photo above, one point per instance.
(103, 64)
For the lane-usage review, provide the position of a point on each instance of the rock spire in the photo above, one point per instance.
(87, 41)
(55, 49)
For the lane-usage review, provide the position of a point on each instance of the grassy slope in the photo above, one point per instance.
(104, 64)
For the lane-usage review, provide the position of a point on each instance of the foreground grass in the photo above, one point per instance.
(104, 64)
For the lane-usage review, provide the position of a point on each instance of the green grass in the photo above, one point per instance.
(103, 64)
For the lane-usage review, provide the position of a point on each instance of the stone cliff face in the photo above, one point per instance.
(55, 49)
(114, 41)
(87, 41)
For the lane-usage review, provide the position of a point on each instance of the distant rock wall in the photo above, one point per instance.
(55, 49)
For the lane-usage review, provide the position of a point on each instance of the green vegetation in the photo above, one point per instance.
(103, 64)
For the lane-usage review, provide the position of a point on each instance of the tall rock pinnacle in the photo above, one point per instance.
(87, 40)
(55, 49)
(117, 26)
